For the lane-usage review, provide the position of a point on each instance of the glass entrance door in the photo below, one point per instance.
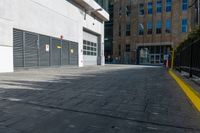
(155, 58)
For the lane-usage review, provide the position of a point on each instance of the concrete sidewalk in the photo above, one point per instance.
(110, 99)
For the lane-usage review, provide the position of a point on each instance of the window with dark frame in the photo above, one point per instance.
(159, 27)
(168, 26)
(150, 7)
(120, 29)
(149, 27)
(168, 5)
(119, 47)
(159, 6)
(184, 25)
(141, 30)
(89, 48)
(128, 10)
(128, 48)
(128, 29)
(141, 9)
(184, 5)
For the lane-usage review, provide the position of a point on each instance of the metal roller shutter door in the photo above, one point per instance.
(65, 53)
(44, 50)
(31, 50)
(56, 52)
(90, 48)
(18, 48)
(73, 53)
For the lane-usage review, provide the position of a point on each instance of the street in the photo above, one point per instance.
(110, 99)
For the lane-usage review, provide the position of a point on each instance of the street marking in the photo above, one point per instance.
(191, 93)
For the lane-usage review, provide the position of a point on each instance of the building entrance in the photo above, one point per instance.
(155, 59)
(153, 54)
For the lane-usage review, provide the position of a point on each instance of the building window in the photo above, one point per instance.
(128, 29)
(120, 11)
(128, 48)
(150, 7)
(168, 5)
(128, 10)
(89, 48)
(184, 25)
(159, 27)
(141, 9)
(168, 26)
(120, 29)
(149, 27)
(184, 5)
(159, 6)
(141, 29)
(119, 50)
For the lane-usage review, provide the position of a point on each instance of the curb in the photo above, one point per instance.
(191, 93)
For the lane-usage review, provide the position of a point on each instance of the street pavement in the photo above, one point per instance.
(109, 99)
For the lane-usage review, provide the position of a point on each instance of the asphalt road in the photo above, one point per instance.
(110, 99)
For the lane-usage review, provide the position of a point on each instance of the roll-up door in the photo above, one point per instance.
(31, 50)
(44, 50)
(18, 48)
(73, 49)
(90, 48)
(65, 53)
(56, 52)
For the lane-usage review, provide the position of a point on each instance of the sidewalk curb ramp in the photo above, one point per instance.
(191, 93)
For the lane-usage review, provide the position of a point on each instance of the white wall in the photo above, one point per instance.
(48, 17)
(6, 58)
(6, 53)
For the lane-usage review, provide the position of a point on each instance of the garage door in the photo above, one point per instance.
(90, 42)
(35, 50)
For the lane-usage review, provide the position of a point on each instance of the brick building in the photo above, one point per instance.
(146, 30)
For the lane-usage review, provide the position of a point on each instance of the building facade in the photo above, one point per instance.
(195, 7)
(108, 43)
(45, 33)
(145, 31)
(104, 4)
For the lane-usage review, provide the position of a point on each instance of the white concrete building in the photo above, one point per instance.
(42, 33)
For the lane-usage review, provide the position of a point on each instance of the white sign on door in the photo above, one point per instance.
(47, 47)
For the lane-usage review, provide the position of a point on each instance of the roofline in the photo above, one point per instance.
(93, 5)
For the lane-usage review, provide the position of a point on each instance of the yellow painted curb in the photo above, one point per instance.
(191, 93)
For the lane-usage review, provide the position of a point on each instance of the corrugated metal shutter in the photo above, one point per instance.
(44, 50)
(31, 50)
(73, 53)
(56, 52)
(65, 53)
(18, 48)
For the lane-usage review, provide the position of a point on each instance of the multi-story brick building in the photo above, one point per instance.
(146, 30)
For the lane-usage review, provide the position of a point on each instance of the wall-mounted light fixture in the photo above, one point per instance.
(91, 11)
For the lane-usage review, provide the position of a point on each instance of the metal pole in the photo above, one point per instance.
(180, 58)
(61, 43)
(198, 2)
(172, 64)
(190, 66)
